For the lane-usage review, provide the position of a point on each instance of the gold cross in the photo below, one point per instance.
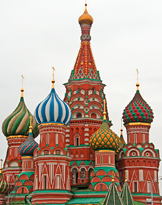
(22, 80)
(104, 112)
(137, 74)
(31, 118)
(121, 124)
(1, 162)
(53, 71)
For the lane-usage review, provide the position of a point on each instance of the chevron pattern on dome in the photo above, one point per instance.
(18, 122)
(27, 148)
(138, 110)
(105, 138)
(113, 197)
(53, 110)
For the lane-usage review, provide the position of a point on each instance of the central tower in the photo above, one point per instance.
(84, 95)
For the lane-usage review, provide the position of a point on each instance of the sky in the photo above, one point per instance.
(126, 35)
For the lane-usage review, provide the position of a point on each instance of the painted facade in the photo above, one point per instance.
(79, 159)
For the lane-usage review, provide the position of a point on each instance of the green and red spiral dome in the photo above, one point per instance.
(137, 111)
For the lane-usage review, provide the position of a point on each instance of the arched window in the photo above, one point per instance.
(143, 138)
(79, 115)
(75, 176)
(101, 187)
(77, 141)
(83, 173)
(89, 172)
(22, 189)
(56, 138)
(101, 159)
(135, 138)
(93, 115)
(26, 164)
(47, 138)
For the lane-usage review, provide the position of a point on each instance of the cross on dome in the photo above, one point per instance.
(22, 90)
(137, 80)
(53, 81)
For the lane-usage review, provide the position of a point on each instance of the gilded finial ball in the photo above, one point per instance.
(85, 18)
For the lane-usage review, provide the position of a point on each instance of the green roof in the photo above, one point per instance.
(93, 200)
(113, 196)
(126, 195)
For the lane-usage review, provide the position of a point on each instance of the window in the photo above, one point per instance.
(77, 141)
(58, 152)
(135, 186)
(79, 115)
(47, 138)
(135, 138)
(127, 174)
(58, 182)
(155, 175)
(78, 98)
(143, 138)
(16, 152)
(101, 159)
(22, 189)
(26, 165)
(83, 173)
(45, 181)
(56, 138)
(109, 159)
(141, 175)
(148, 186)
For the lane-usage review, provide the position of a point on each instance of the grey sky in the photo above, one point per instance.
(126, 35)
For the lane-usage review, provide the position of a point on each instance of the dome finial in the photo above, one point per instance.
(85, 18)
(1, 166)
(121, 127)
(125, 176)
(137, 80)
(53, 81)
(30, 127)
(104, 112)
(22, 90)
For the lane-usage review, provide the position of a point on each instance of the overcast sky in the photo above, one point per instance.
(38, 34)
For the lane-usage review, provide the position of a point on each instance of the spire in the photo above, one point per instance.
(137, 80)
(126, 194)
(104, 112)
(30, 127)
(53, 81)
(85, 67)
(125, 176)
(22, 90)
(121, 134)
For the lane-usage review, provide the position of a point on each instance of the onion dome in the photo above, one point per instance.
(4, 186)
(105, 138)
(137, 110)
(27, 148)
(17, 123)
(52, 109)
(85, 18)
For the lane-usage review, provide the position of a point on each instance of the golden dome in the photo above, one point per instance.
(85, 18)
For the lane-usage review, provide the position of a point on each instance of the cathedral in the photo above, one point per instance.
(79, 159)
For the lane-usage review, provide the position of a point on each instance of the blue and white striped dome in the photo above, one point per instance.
(52, 110)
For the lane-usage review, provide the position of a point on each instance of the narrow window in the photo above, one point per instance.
(141, 175)
(101, 159)
(135, 138)
(127, 174)
(26, 165)
(143, 138)
(58, 182)
(57, 138)
(15, 152)
(45, 181)
(135, 186)
(22, 189)
(129, 138)
(148, 186)
(47, 138)
(109, 159)
(77, 141)
(155, 175)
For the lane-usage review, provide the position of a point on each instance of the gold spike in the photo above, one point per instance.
(121, 127)
(137, 80)
(22, 90)
(1, 166)
(53, 81)
(112, 178)
(125, 176)
(104, 112)
(30, 127)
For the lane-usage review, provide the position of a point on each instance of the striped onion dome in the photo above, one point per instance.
(4, 186)
(27, 148)
(52, 110)
(17, 123)
(137, 110)
(104, 138)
